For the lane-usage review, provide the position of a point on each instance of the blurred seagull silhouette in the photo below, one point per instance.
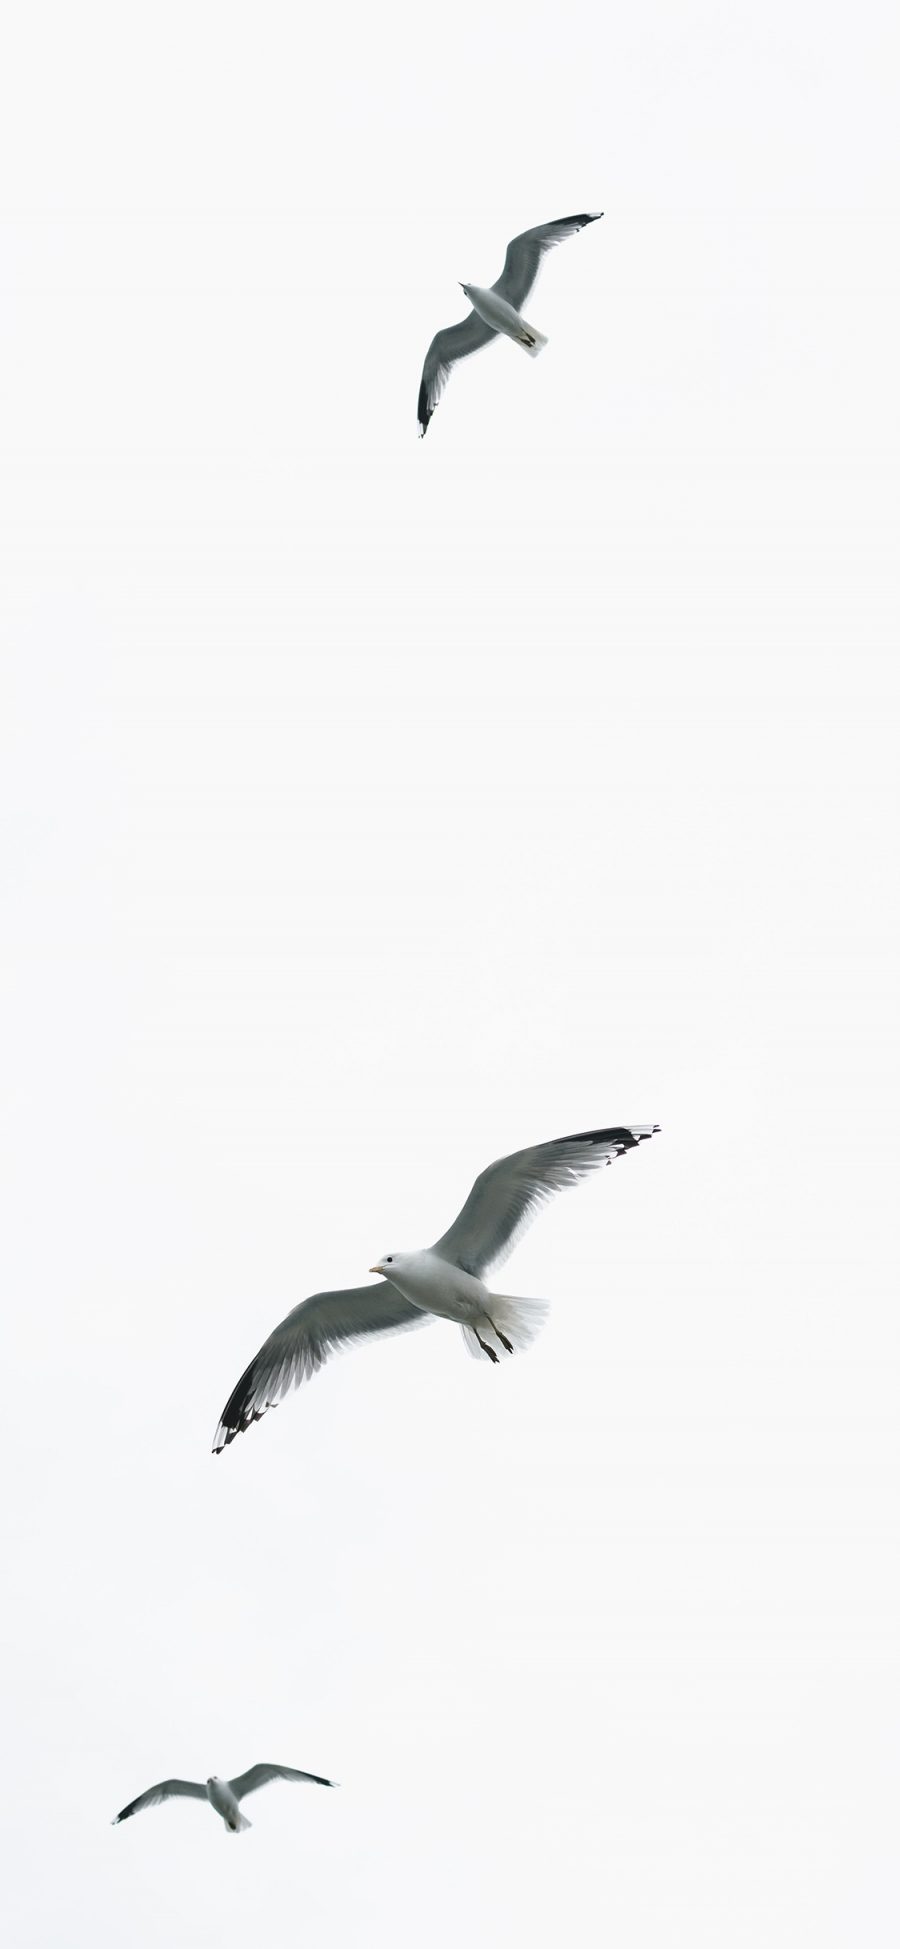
(495, 310)
(224, 1795)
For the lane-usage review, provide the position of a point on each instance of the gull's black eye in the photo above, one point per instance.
(389, 1260)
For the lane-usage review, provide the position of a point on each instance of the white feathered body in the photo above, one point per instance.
(502, 317)
(437, 1286)
(220, 1796)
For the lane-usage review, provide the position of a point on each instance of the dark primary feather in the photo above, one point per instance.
(260, 1775)
(524, 253)
(508, 1194)
(302, 1342)
(446, 348)
(166, 1790)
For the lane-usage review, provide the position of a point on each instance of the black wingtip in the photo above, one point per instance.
(621, 1135)
(423, 413)
(229, 1430)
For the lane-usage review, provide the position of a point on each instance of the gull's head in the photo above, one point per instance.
(464, 287)
(213, 1780)
(389, 1264)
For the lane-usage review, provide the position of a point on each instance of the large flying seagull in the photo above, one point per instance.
(445, 1280)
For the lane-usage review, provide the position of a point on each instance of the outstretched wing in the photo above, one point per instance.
(524, 253)
(259, 1776)
(302, 1343)
(507, 1196)
(446, 348)
(167, 1790)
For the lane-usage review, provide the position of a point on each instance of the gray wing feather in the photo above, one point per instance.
(507, 1196)
(166, 1790)
(446, 348)
(524, 253)
(259, 1776)
(302, 1342)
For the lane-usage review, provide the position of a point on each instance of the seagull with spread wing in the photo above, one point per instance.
(446, 1280)
(495, 311)
(224, 1795)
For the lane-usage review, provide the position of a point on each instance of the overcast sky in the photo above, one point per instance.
(371, 808)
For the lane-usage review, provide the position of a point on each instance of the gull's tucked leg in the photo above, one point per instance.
(490, 1351)
(501, 1336)
(531, 340)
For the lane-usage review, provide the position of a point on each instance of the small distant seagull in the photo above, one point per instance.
(446, 1280)
(495, 310)
(224, 1795)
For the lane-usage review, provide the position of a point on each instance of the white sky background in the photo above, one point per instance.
(371, 808)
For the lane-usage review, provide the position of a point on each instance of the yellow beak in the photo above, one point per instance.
(374, 1268)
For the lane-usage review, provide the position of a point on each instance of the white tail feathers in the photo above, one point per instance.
(237, 1825)
(531, 341)
(507, 1326)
